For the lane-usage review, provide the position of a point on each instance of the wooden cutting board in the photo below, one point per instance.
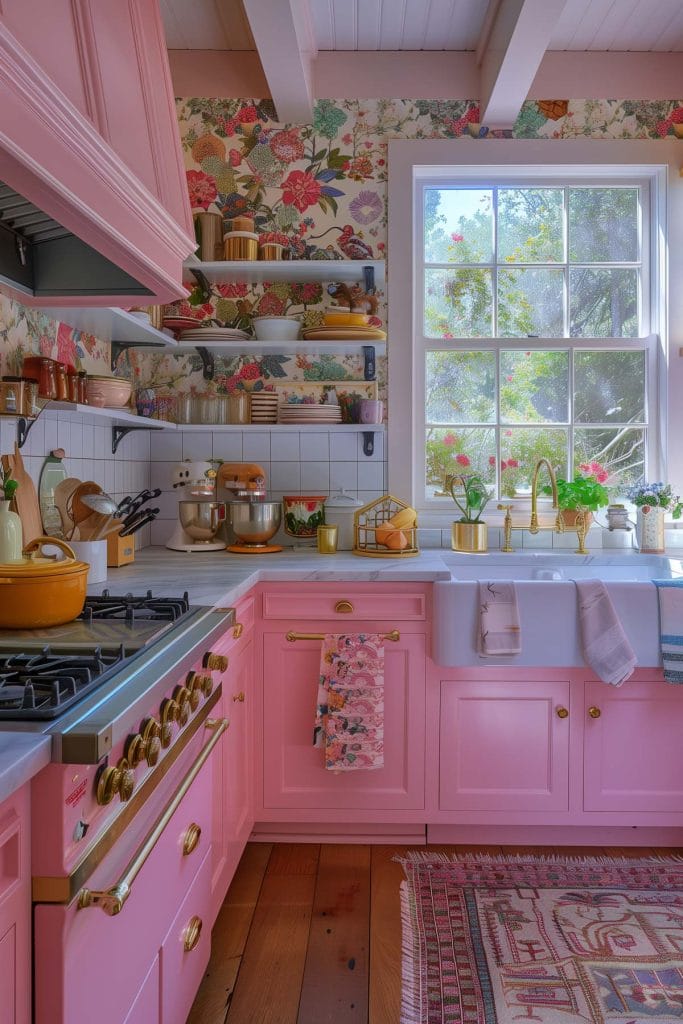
(25, 498)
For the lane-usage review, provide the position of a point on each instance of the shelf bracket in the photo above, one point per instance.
(203, 282)
(24, 425)
(368, 442)
(369, 280)
(369, 369)
(208, 363)
(118, 434)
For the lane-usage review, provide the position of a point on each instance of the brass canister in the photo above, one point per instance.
(241, 245)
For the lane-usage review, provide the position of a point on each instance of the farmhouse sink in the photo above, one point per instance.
(547, 604)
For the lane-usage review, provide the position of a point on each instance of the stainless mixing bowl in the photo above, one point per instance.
(201, 519)
(254, 522)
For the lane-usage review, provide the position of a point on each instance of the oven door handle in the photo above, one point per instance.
(112, 901)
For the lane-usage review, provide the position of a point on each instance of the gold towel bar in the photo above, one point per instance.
(293, 637)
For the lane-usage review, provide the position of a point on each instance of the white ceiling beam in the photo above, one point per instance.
(283, 35)
(514, 40)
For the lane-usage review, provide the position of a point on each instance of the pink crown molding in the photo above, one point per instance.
(56, 158)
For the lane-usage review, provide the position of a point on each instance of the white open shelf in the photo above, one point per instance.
(120, 416)
(348, 271)
(287, 428)
(253, 347)
(110, 324)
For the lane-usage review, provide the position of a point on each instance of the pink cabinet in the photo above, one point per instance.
(632, 746)
(89, 135)
(504, 746)
(233, 804)
(15, 909)
(295, 784)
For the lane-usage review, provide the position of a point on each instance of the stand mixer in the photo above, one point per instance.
(200, 515)
(253, 519)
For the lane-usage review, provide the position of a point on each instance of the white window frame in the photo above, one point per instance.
(529, 162)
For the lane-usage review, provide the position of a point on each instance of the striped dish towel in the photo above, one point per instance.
(670, 594)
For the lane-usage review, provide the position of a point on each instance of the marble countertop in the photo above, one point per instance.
(22, 755)
(221, 578)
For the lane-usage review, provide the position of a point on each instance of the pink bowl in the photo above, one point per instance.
(110, 392)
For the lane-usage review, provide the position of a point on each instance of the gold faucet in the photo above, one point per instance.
(533, 526)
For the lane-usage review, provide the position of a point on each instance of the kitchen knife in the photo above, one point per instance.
(134, 523)
(136, 503)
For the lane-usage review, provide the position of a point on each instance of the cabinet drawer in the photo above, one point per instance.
(344, 604)
(186, 948)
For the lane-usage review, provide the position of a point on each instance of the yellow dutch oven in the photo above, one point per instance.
(41, 591)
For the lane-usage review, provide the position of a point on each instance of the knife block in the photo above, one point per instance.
(120, 550)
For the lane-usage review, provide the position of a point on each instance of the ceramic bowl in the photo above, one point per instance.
(303, 514)
(276, 328)
(110, 392)
(344, 318)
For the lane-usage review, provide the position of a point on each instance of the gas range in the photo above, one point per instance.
(45, 672)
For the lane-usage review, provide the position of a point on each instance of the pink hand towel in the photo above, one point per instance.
(605, 645)
(499, 632)
(349, 721)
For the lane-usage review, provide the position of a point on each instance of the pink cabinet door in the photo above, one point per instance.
(632, 748)
(503, 746)
(15, 910)
(293, 771)
(185, 949)
(146, 1008)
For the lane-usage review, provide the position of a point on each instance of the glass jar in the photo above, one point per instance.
(82, 387)
(239, 407)
(184, 409)
(61, 382)
(72, 384)
(30, 396)
(41, 369)
(11, 396)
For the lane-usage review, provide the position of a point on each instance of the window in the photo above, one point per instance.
(533, 324)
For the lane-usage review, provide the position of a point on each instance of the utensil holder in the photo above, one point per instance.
(95, 553)
(120, 550)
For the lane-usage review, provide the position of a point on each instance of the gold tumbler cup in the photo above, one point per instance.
(327, 539)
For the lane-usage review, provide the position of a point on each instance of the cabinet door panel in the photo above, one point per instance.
(8, 977)
(294, 774)
(633, 750)
(503, 747)
(145, 1009)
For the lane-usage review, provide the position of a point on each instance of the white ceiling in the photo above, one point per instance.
(617, 25)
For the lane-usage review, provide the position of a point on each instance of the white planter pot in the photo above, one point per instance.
(10, 535)
(650, 529)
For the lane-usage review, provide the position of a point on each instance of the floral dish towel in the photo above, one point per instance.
(349, 720)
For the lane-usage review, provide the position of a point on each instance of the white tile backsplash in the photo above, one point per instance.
(314, 447)
(284, 447)
(343, 447)
(256, 446)
(198, 445)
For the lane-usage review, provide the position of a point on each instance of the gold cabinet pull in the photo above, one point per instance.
(394, 636)
(343, 607)
(238, 698)
(594, 712)
(112, 900)
(192, 933)
(191, 839)
(562, 712)
(237, 630)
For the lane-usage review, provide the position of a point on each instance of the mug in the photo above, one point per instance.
(371, 410)
(327, 539)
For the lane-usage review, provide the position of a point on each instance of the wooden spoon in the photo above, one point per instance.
(62, 499)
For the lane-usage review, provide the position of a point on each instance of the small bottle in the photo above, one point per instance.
(82, 387)
(61, 383)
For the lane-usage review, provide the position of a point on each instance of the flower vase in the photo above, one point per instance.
(650, 529)
(10, 535)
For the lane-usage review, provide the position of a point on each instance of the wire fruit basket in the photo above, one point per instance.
(385, 528)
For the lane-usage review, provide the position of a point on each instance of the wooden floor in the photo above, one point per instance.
(311, 934)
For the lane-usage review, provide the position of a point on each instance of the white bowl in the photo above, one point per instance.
(276, 328)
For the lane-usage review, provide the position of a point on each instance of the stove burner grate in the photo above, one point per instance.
(44, 684)
(135, 608)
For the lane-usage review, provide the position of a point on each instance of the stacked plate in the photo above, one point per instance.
(302, 413)
(264, 406)
(330, 333)
(197, 335)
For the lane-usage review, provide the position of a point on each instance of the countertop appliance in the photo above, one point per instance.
(253, 519)
(126, 694)
(200, 515)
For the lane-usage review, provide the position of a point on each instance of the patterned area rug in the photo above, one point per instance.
(553, 941)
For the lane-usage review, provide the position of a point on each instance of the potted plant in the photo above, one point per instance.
(583, 495)
(469, 533)
(652, 502)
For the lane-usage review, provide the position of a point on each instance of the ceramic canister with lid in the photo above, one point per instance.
(340, 509)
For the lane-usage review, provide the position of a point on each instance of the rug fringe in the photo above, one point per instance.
(410, 962)
(427, 857)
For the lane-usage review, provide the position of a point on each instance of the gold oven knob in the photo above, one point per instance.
(151, 737)
(126, 780)
(562, 712)
(193, 689)
(169, 710)
(120, 779)
(594, 712)
(166, 734)
(205, 684)
(134, 750)
(181, 695)
(192, 933)
(215, 662)
(199, 682)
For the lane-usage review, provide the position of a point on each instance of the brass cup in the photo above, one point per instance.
(470, 537)
(327, 539)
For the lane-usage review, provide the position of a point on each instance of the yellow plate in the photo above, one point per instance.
(344, 334)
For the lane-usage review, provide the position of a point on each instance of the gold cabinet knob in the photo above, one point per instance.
(562, 712)
(238, 698)
(192, 933)
(181, 695)
(594, 712)
(134, 750)
(215, 662)
(343, 607)
(191, 839)
(237, 630)
(151, 737)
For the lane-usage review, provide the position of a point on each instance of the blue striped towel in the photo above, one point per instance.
(670, 594)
